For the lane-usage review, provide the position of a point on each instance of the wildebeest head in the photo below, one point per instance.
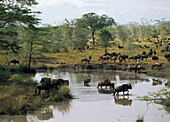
(44, 79)
(130, 86)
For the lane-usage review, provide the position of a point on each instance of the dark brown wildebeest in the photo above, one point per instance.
(13, 62)
(59, 82)
(105, 83)
(48, 83)
(87, 82)
(155, 58)
(85, 60)
(45, 84)
(157, 65)
(122, 88)
(120, 47)
(167, 56)
(156, 82)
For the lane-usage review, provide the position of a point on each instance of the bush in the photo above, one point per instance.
(4, 73)
(167, 103)
(17, 106)
(63, 94)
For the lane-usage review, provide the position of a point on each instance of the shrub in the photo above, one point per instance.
(17, 106)
(4, 73)
(167, 103)
(63, 94)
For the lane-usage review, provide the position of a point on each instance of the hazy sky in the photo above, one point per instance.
(123, 11)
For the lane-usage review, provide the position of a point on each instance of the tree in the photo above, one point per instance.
(163, 28)
(94, 22)
(122, 33)
(104, 38)
(13, 12)
(32, 43)
(80, 38)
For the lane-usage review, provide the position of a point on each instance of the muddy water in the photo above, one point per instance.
(99, 105)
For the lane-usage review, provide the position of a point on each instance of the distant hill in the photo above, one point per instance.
(137, 25)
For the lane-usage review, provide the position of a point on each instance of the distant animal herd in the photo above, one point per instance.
(138, 57)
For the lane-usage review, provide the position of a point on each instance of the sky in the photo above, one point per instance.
(54, 12)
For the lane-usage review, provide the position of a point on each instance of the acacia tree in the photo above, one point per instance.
(32, 41)
(94, 22)
(13, 12)
(104, 38)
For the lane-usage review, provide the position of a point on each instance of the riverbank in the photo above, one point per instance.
(163, 72)
(17, 96)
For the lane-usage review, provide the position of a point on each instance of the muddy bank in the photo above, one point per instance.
(163, 72)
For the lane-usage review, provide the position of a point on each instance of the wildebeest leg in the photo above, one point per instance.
(39, 91)
(35, 91)
(48, 92)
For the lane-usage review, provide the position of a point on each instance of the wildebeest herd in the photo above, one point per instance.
(122, 88)
(48, 84)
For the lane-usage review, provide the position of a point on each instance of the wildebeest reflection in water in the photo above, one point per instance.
(106, 91)
(123, 100)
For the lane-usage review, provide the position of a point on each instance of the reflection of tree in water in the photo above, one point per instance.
(123, 100)
(63, 107)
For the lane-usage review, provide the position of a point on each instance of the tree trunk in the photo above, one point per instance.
(93, 31)
(30, 56)
(105, 49)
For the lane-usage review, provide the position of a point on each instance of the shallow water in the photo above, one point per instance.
(99, 105)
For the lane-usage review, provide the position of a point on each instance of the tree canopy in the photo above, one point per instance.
(13, 12)
(94, 22)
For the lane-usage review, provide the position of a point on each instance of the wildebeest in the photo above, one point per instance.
(156, 82)
(135, 67)
(123, 88)
(87, 82)
(105, 83)
(45, 84)
(85, 60)
(155, 58)
(13, 62)
(120, 47)
(167, 56)
(48, 83)
(59, 82)
(150, 52)
(157, 65)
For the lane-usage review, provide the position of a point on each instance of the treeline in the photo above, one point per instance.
(21, 36)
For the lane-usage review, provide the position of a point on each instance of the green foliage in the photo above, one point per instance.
(163, 94)
(4, 74)
(122, 33)
(12, 13)
(105, 38)
(80, 38)
(167, 103)
(94, 22)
